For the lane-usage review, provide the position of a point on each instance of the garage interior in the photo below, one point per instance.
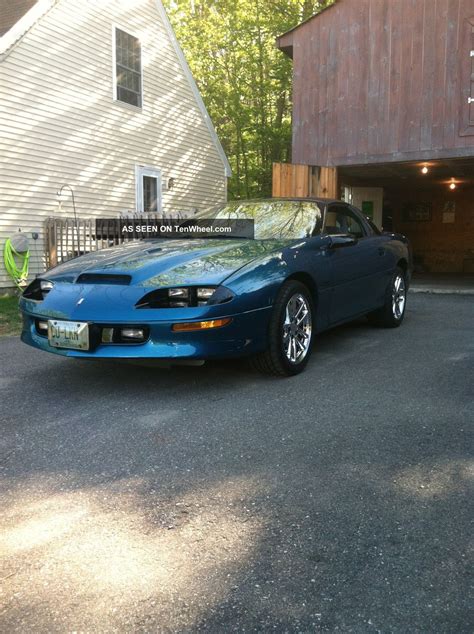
(431, 202)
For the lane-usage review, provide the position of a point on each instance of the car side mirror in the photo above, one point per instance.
(339, 241)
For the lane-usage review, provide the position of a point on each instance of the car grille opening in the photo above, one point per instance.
(112, 334)
(105, 333)
(124, 334)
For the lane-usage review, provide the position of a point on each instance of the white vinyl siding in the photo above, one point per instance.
(61, 125)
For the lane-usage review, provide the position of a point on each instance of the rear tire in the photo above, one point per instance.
(290, 334)
(393, 311)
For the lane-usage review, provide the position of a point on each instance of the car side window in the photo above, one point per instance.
(340, 219)
(374, 227)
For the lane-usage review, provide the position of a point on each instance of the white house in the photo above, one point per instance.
(97, 95)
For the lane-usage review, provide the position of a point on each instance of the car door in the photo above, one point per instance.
(352, 254)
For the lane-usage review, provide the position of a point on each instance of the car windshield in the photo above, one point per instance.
(274, 219)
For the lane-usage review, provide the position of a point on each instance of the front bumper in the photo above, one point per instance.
(245, 335)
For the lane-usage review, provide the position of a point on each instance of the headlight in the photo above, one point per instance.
(178, 297)
(205, 293)
(45, 286)
(178, 292)
(38, 289)
(185, 297)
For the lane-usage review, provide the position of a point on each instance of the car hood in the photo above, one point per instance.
(155, 263)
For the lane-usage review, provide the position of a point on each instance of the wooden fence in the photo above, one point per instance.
(67, 238)
(291, 180)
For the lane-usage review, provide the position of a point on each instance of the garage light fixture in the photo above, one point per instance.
(424, 169)
(452, 184)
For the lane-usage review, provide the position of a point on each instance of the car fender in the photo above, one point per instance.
(257, 284)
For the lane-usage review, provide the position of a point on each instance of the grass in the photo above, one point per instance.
(10, 320)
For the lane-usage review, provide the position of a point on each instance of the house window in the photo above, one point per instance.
(128, 68)
(148, 189)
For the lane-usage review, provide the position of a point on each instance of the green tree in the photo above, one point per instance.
(245, 81)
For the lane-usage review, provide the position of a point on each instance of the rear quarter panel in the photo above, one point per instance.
(399, 250)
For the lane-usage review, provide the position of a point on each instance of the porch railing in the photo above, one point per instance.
(67, 238)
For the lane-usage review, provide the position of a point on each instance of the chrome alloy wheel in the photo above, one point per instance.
(398, 297)
(297, 328)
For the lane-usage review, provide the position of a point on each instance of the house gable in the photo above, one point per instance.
(61, 124)
(24, 14)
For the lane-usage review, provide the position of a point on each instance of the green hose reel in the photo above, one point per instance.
(16, 256)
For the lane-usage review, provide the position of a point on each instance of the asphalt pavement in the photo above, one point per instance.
(213, 499)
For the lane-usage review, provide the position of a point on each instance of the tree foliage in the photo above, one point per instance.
(245, 81)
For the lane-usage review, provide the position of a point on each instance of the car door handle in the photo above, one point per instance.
(381, 251)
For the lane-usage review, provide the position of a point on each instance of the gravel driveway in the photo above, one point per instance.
(213, 499)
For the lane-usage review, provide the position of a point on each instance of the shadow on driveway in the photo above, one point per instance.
(212, 498)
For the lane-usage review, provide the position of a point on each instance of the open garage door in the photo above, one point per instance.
(432, 203)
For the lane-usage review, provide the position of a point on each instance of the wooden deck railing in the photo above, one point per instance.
(67, 238)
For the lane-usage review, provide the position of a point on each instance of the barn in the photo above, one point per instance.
(383, 103)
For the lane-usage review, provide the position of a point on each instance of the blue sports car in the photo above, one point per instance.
(313, 264)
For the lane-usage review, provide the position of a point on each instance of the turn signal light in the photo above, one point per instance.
(201, 325)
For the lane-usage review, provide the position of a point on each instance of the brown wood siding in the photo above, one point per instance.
(383, 80)
(467, 79)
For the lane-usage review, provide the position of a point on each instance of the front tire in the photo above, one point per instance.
(393, 311)
(290, 332)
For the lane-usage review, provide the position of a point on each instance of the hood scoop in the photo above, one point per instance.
(104, 278)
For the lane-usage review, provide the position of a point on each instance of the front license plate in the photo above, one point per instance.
(68, 334)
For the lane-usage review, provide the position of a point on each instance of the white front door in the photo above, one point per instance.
(148, 189)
